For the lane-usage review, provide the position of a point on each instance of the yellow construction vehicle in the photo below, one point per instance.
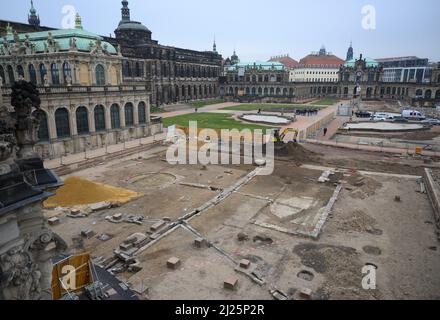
(279, 135)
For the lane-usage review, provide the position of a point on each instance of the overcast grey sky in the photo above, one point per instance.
(259, 29)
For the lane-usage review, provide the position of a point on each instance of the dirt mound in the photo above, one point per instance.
(362, 187)
(357, 221)
(296, 152)
(77, 191)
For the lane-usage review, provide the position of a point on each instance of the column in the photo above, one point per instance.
(136, 113)
(72, 117)
(51, 124)
(122, 114)
(108, 122)
(91, 118)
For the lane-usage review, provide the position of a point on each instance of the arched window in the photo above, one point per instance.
(43, 130)
(142, 113)
(428, 94)
(2, 74)
(82, 120)
(437, 94)
(99, 118)
(100, 75)
(43, 72)
(62, 123)
(419, 93)
(20, 71)
(11, 75)
(32, 74)
(129, 115)
(115, 118)
(66, 71)
(55, 74)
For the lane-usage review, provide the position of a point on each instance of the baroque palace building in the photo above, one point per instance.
(361, 73)
(97, 91)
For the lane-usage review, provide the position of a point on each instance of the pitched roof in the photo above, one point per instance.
(287, 61)
(316, 60)
(84, 40)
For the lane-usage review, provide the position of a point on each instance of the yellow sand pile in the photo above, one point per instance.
(77, 191)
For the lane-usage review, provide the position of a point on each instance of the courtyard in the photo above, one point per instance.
(213, 218)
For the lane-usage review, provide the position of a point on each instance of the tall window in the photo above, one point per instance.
(114, 115)
(129, 115)
(66, 71)
(99, 118)
(127, 69)
(62, 123)
(43, 72)
(142, 113)
(20, 71)
(32, 74)
(138, 70)
(43, 130)
(11, 75)
(2, 74)
(100, 75)
(55, 74)
(82, 120)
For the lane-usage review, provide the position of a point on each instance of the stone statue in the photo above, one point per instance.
(25, 97)
(73, 46)
(69, 80)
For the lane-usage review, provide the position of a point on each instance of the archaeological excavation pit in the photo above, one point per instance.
(153, 180)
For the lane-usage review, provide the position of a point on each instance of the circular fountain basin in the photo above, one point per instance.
(266, 119)
(383, 126)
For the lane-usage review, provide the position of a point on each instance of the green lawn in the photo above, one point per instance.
(214, 121)
(326, 102)
(204, 103)
(268, 107)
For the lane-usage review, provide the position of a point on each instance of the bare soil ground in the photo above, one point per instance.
(369, 161)
(366, 226)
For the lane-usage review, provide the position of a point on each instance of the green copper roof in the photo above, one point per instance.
(370, 62)
(132, 25)
(85, 40)
(262, 65)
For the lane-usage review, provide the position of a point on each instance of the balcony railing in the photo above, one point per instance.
(85, 89)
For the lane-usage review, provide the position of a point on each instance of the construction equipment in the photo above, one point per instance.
(278, 135)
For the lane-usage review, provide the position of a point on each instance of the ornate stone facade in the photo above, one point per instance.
(27, 245)
(361, 72)
(175, 74)
(86, 101)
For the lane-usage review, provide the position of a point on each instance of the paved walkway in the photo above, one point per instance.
(373, 148)
(108, 150)
(332, 128)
